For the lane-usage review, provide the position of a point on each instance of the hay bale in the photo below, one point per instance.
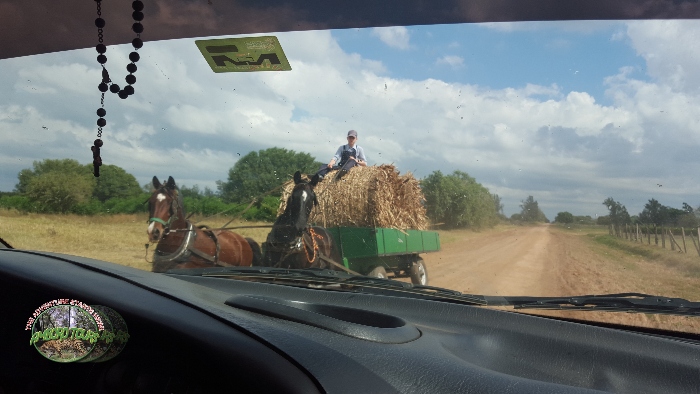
(376, 196)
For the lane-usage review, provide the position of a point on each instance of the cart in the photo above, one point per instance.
(376, 251)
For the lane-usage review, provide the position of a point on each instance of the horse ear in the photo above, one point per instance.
(171, 183)
(297, 177)
(156, 183)
(314, 180)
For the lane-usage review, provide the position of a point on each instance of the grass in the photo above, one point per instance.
(117, 238)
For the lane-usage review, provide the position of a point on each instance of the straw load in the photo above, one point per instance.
(374, 196)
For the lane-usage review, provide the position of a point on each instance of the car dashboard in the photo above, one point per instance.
(191, 334)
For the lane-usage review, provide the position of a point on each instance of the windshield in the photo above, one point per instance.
(512, 159)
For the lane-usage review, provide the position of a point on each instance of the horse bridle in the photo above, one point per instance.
(173, 210)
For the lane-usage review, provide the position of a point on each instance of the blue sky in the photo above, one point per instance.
(570, 113)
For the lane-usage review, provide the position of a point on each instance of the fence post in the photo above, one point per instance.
(692, 237)
(656, 236)
(648, 236)
(663, 237)
(670, 236)
(685, 250)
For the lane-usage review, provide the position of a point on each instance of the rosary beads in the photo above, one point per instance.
(107, 83)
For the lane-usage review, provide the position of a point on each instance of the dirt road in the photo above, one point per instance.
(548, 261)
(518, 261)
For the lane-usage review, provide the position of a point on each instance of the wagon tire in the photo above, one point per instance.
(419, 273)
(378, 272)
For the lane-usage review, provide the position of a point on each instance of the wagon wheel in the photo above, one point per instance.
(378, 272)
(419, 273)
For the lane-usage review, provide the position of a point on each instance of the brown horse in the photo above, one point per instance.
(183, 245)
(291, 244)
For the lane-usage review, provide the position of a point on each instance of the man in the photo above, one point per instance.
(346, 157)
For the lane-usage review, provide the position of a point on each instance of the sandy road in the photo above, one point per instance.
(518, 261)
(546, 261)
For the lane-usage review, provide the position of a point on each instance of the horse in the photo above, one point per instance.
(291, 243)
(180, 244)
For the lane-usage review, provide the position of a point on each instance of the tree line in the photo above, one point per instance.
(653, 214)
(66, 186)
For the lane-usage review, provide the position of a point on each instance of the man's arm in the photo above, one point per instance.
(336, 158)
(361, 159)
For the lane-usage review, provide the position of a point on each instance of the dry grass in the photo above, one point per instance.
(116, 238)
(376, 196)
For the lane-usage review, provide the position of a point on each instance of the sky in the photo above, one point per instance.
(568, 112)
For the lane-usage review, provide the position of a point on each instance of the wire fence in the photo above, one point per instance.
(677, 238)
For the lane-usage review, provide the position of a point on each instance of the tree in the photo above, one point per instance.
(258, 172)
(564, 217)
(618, 214)
(64, 166)
(457, 200)
(58, 192)
(530, 211)
(114, 182)
(654, 213)
(498, 204)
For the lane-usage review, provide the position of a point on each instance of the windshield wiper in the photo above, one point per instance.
(622, 302)
(333, 280)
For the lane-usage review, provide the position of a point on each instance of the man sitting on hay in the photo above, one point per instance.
(347, 156)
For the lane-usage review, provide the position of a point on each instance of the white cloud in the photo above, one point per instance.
(191, 123)
(395, 37)
(450, 60)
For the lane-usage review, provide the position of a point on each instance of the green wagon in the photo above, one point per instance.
(377, 251)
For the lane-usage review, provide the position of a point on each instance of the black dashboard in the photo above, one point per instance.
(202, 335)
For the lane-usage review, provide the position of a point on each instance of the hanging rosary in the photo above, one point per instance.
(107, 83)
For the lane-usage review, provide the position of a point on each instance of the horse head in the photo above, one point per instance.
(164, 208)
(293, 221)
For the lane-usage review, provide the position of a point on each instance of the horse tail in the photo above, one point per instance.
(257, 252)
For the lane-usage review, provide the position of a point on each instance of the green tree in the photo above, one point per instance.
(258, 172)
(58, 192)
(457, 200)
(618, 214)
(530, 211)
(65, 166)
(564, 217)
(653, 213)
(114, 182)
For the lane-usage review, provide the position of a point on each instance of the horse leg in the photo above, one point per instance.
(257, 252)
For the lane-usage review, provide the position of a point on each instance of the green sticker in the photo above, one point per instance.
(244, 54)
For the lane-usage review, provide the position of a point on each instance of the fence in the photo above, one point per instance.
(644, 234)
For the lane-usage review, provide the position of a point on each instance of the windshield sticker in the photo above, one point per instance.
(244, 54)
(66, 330)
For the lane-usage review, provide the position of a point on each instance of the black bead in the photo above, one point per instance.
(103, 87)
(101, 112)
(134, 57)
(114, 88)
(130, 79)
(137, 43)
(129, 90)
(102, 59)
(101, 48)
(98, 143)
(100, 23)
(101, 122)
(137, 28)
(131, 67)
(122, 94)
(137, 5)
(137, 15)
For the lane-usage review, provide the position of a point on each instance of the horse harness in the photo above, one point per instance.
(186, 248)
(306, 241)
